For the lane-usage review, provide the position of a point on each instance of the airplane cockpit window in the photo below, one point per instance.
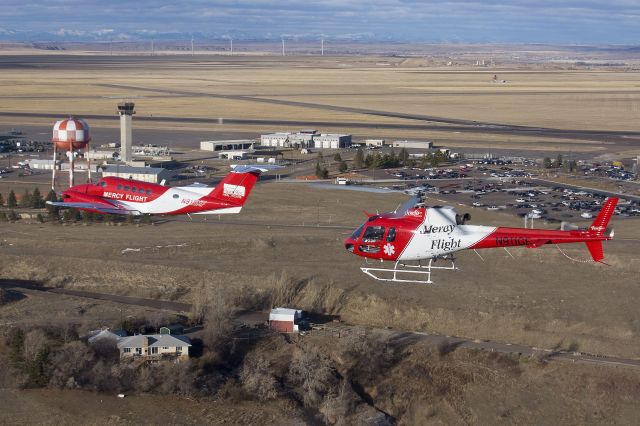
(373, 234)
(391, 235)
(357, 232)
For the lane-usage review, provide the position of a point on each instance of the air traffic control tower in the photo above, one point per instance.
(126, 111)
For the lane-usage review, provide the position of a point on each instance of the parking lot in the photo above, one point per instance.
(507, 188)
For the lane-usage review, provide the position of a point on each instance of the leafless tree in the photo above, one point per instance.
(34, 341)
(71, 365)
(257, 379)
(218, 324)
(314, 374)
(338, 406)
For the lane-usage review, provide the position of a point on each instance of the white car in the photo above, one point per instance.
(520, 200)
(586, 215)
(477, 204)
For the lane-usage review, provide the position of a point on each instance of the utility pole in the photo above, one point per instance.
(152, 48)
(282, 47)
(191, 45)
(322, 47)
(231, 41)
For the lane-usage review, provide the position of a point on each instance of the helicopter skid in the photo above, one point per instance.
(405, 273)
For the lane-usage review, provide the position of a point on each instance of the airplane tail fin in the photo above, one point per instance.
(595, 249)
(235, 187)
(601, 221)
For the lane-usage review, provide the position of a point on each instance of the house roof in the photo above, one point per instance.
(154, 340)
(285, 311)
(106, 334)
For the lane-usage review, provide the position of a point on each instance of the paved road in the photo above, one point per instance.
(451, 342)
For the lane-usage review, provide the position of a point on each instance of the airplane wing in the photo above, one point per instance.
(103, 208)
(248, 168)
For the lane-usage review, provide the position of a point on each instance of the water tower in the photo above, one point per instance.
(70, 136)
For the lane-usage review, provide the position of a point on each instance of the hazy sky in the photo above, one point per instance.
(561, 21)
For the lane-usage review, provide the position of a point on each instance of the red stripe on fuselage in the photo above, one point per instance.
(509, 237)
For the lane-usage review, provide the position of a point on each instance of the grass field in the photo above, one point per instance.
(538, 298)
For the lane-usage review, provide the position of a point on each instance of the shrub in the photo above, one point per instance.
(257, 379)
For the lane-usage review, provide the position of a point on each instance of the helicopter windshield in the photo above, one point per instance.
(373, 234)
(357, 232)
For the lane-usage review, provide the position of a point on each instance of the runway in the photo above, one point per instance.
(619, 138)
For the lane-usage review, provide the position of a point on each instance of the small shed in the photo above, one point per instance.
(172, 329)
(284, 320)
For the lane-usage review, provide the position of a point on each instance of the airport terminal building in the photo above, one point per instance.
(306, 139)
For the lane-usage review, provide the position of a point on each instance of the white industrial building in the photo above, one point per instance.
(413, 144)
(280, 139)
(375, 142)
(306, 139)
(44, 164)
(144, 174)
(102, 155)
(41, 164)
(234, 155)
(331, 141)
(228, 145)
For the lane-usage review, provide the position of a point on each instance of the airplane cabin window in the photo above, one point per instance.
(391, 236)
(141, 190)
(126, 187)
(176, 196)
(373, 234)
(103, 184)
(148, 192)
(133, 189)
(119, 187)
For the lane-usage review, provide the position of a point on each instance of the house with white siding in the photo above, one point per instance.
(154, 346)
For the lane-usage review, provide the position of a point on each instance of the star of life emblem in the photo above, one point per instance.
(389, 249)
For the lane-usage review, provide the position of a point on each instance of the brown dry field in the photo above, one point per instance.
(540, 298)
(560, 98)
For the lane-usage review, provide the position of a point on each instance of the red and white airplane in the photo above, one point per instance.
(113, 195)
(416, 233)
